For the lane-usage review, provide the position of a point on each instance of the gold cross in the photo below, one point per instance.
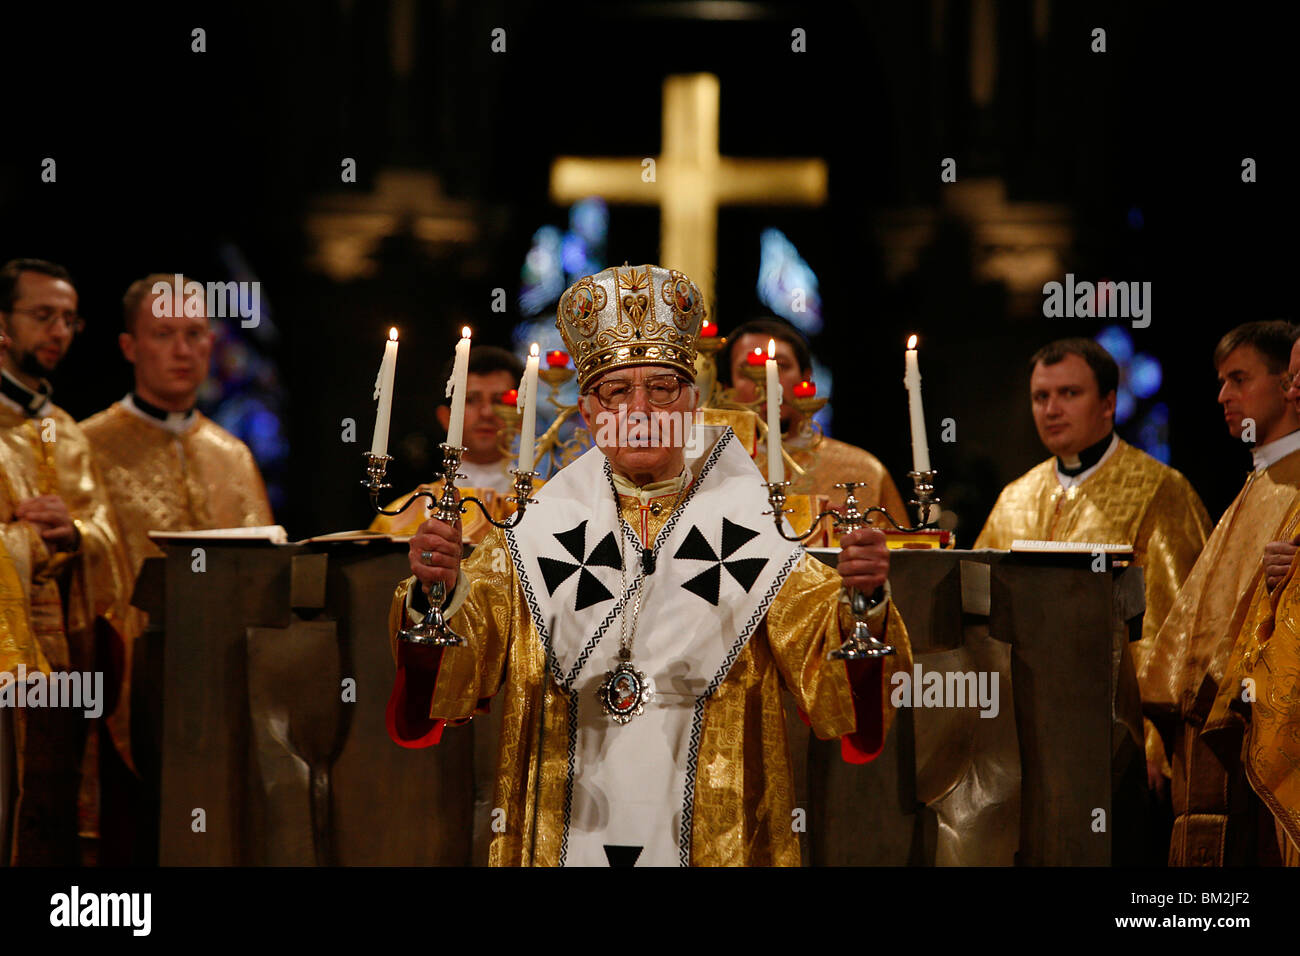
(691, 180)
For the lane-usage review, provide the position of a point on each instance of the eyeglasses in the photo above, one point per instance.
(45, 316)
(660, 390)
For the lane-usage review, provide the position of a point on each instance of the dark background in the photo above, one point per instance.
(167, 157)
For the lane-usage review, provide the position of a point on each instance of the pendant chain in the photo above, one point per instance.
(626, 636)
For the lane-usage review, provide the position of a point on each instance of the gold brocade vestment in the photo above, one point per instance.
(64, 596)
(17, 646)
(159, 480)
(1263, 682)
(744, 796)
(1185, 667)
(1130, 499)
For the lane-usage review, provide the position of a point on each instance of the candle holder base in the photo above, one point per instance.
(433, 631)
(857, 648)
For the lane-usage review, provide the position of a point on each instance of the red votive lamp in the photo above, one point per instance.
(557, 359)
(805, 389)
(756, 357)
(708, 330)
(510, 397)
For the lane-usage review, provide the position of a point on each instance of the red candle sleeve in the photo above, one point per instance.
(805, 389)
(557, 359)
(756, 357)
(708, 329)
(510, 397)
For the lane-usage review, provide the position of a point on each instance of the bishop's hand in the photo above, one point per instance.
(864, 559)
(435, 553)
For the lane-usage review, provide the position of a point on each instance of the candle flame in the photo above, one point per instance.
(464, 332)
(392, 335)
(771, 348)
(533, 351)
(911, 342)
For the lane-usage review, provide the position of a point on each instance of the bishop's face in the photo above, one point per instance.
(1069, 412)
(634, 423)
(39, 327)
(1249, 390)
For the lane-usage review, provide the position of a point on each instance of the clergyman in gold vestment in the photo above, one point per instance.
(1098, 488)
(1216, 815)
(18, 648)
(1261, 683)
(165, 465)
(739, 804)
(825, 461)
(170, 471)
(61, 537)
(1261, 689)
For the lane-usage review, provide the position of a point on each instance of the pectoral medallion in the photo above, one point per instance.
(624, 693)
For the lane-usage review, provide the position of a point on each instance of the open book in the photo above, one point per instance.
(269, 532)
(273, 533)
(1023, 546)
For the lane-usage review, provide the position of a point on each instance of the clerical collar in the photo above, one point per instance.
(1090, 457)
(1268, 455)
(656, 489)
(172, 421)
(30, 403)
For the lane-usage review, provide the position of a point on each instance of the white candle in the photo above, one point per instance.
(456, 386)
(912, 379)
(527, 402)
(384, 392)
(775, 466)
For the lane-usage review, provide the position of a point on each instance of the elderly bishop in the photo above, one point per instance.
(642, 619)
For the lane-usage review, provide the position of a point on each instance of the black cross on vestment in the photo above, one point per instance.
(605, 554)
(708, 583)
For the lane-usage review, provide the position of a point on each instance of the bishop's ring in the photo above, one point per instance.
(426, 557)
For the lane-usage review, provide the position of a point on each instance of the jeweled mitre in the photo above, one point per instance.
(631, 315)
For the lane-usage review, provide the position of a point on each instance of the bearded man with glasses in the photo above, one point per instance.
(60, 532)
(642, 619)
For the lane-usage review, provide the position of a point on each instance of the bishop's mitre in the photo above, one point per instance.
(631, 315)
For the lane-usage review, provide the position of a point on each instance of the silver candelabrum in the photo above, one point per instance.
(434, 631)
(861, 643)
